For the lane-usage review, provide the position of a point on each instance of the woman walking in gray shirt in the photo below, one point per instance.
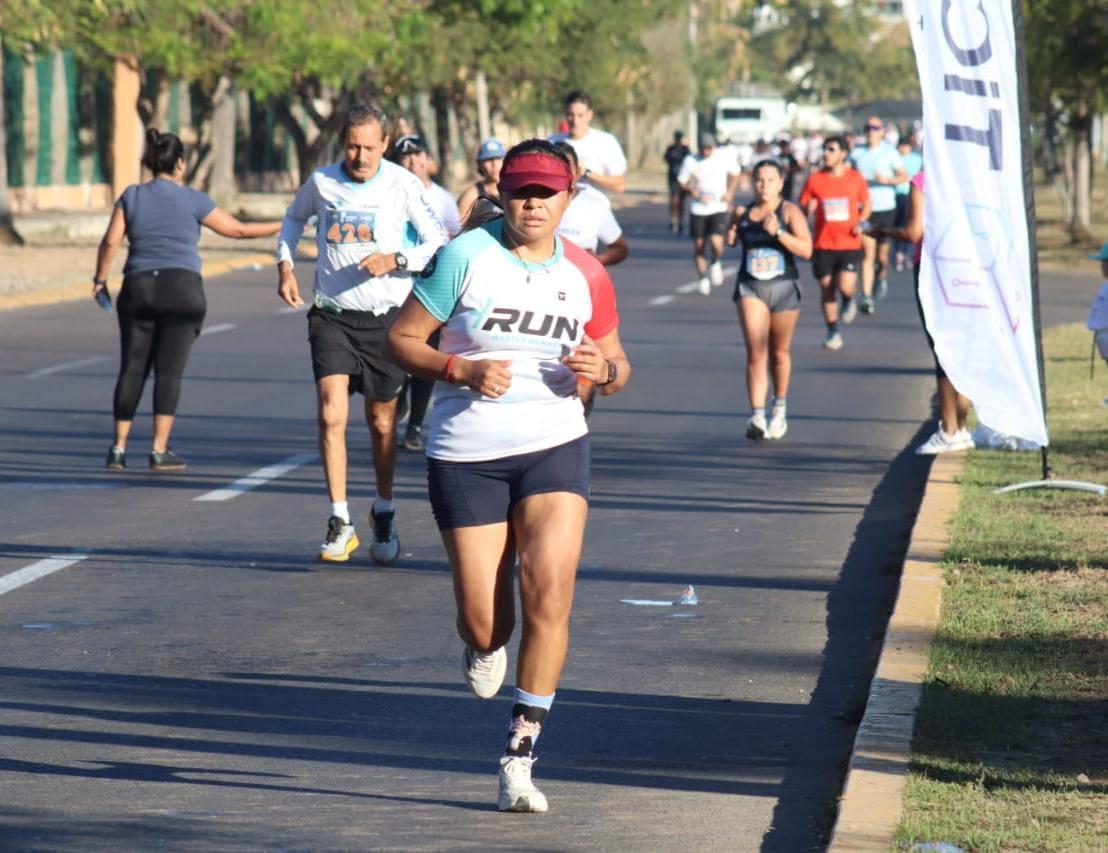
(161, 305)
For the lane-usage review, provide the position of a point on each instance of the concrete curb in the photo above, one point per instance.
(83, 289)
(873, 796)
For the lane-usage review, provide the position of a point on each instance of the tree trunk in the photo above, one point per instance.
(8, 235)
(1081, 124)
(221, 183)
(484, 125)
(308, 154)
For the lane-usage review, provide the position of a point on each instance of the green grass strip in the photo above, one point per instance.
(1011, 742)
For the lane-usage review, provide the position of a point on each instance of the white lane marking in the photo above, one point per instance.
(215, 330)
(690, 287)
(257, 478)
(58, 368)
(38, 570)
(645, 602)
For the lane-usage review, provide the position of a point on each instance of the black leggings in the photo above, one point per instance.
(160, 313)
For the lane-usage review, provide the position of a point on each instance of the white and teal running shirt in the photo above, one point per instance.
(495, 306)
(356, 220)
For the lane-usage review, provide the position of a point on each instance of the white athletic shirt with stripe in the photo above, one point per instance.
(356, 220)
(495, 306)
(589, 221)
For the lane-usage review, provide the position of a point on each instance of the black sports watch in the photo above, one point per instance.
(613, 373)
(401, 261)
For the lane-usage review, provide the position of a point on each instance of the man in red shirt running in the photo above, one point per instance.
(837, 196)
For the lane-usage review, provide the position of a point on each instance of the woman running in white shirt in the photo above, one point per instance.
(524, 315)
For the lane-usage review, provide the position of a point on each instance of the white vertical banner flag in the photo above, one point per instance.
(975, 277)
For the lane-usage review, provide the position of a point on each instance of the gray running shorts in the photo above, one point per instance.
(780, 295)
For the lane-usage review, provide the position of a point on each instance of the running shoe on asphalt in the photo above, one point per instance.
(850, 310)
(865, 305)
(385, 547)
(117, 459)
(756, 427)
(777, 426)
(715, 274)
(517, 792)
(413, 438)
(484, 672)
(167, 460)
(704, 286)
(882, 288)
(941, 442)
(833, 341)
(340, 542)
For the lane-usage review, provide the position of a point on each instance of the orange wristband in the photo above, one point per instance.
(448, 369)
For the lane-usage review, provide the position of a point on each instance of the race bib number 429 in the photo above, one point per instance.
(350, 226)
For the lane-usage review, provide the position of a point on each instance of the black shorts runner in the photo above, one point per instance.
(827, 262)
(882, 219)
(353, 344)
(701, 226)
(470, 494)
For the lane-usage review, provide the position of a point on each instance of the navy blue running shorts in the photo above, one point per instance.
(470, 494)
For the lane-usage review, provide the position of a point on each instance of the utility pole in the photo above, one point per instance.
(694, 15)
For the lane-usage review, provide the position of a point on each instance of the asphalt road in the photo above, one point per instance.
(188, 677)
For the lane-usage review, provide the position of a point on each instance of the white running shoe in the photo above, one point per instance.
(756, 427)
(340, 542)
(704, 287)
(777, 426)
(485, 672)
(715, 274)
(833, 341)
(941, 442)
(385, 547)
(881, 289)
(517, 792)
(850, 310)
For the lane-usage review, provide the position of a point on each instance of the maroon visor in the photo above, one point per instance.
(536, 169)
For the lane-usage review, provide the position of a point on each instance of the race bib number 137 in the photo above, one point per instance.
(350, 226)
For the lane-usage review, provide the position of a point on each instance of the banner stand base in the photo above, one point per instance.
(1072, 485)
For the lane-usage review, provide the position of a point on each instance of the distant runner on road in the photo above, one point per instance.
(710, 179)
(589, 221)
(489, 158)
(364, 205)
(524, 316)
(773, 232)
(837, 197)
(601, 158)
(879, 163)
(675, 156)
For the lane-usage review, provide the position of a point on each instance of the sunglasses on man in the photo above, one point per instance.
(874, 127)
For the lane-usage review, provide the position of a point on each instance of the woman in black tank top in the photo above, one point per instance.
(773, 232)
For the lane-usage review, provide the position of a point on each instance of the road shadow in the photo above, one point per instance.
(858, 609)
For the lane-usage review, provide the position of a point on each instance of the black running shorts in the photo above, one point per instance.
(701, 226)
(827, 262)
(470, 494)
(353, 344)
(883, 219)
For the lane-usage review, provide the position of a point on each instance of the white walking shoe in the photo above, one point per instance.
(942, 442)
(385, 547)
(850, 311)
(715, 274)
(340, 542)
(485, 672)
(517, 792)
(777, 426)
(704, 287)
(833, 341)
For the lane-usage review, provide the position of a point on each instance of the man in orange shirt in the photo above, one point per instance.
(837, 196)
